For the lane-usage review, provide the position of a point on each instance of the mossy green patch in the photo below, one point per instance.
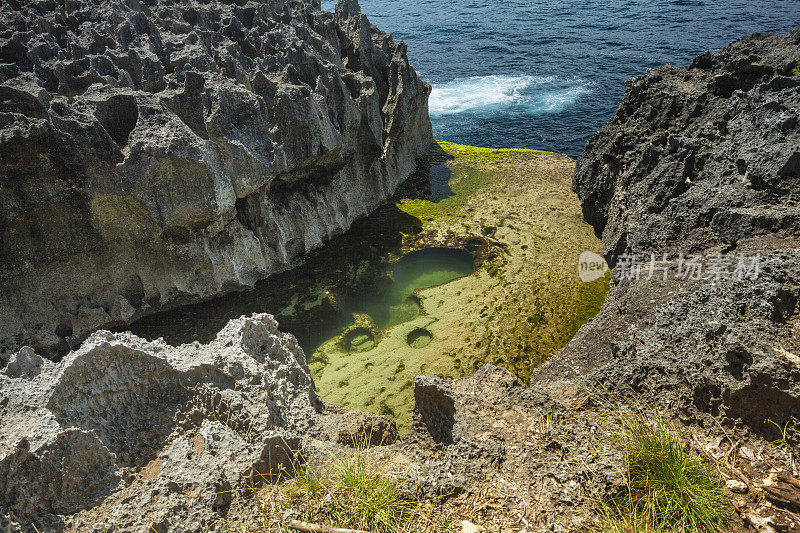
(523, 304)
(483, 157)
(471, 169)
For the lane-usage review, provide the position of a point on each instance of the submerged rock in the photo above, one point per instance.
(149, 436)
(156, 153)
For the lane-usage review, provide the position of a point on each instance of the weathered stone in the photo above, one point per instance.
(699, 160)
(146, 436)
(686, 165)
(153, 155)
(489, 434)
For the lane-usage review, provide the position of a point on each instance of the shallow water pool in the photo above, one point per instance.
(418, 270)
(316, 301)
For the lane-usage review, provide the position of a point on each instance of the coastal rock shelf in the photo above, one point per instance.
(158, 153)
(699, 160)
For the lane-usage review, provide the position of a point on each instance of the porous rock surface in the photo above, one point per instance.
(702, 160)
(489, 439)
(158, 152)
(698, 160)
(125, 434)
(700, 156)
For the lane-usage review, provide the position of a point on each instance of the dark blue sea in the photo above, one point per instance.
(547, 74)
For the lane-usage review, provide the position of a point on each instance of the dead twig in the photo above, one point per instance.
(580, 403)
(743, 478)
(789, 480)
(710, 458)
(761, 524)
(732, 452)
(317, 528)
(776, 493)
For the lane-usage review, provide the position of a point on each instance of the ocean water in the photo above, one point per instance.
(547, 74)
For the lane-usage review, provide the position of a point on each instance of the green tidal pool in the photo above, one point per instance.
(418, 270)
(380, 293)
(492, 281)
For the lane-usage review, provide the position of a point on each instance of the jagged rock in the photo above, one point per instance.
(356, 429)
(156, 153)
(145, 435)
(699, 156)
(24, 363)
(512, 442)
(703, 160)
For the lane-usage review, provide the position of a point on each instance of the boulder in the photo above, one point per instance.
(124, 434)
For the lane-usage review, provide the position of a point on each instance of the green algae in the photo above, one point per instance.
(537, 310)
(482, 157)
(472, 170)
(367, 336)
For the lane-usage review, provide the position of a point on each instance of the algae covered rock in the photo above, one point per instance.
(161, 152)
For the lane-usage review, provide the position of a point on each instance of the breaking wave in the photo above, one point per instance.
(534, 95)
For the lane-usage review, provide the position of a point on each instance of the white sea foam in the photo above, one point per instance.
(530, 94)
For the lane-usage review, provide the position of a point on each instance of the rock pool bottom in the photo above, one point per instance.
(420, 269)
(436, 281)
(378, 293)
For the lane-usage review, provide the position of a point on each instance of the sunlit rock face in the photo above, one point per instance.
(127, 428)
(702, 161)
(160, 152)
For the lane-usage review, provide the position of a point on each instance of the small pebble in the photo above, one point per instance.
(469, 527)
(736, 486)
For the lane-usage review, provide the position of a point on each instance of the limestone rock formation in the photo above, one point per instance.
(158, 152)
(490, 436)
(128, 435)
(701, 160)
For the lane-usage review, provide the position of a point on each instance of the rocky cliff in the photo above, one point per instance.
(158, 152)
(699, 157)
(702, 164)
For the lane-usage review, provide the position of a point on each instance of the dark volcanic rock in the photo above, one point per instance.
(699, 156)
(159, 152)
(702, 160)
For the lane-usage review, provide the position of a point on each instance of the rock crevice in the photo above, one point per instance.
(163, 152)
